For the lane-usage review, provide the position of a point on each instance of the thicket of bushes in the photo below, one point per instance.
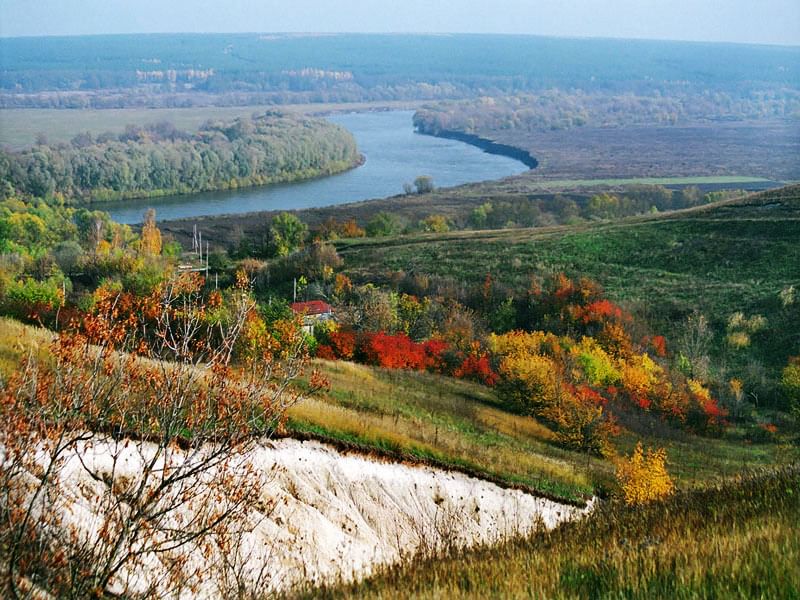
(573, 365)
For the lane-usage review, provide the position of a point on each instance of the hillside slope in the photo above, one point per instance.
(717, 259)
(320, 516)
(736, 540)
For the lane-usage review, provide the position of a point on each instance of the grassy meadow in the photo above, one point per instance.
(729, 531)
(716, 255)
(459, 423)
(451, 423)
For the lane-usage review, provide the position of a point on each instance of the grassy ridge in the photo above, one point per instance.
(718, 259)
(593, 183)
(735, 540)
(429, 418)
(691, 252)
(458, 423)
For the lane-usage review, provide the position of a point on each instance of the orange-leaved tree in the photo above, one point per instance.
(126, 446)
(150, 239)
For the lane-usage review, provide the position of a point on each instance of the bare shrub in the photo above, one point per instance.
(124, 452)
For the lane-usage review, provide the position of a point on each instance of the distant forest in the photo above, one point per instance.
(554, 110)
(241, 69)
(161, 160)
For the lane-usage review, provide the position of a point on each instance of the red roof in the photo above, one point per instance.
(315, 307)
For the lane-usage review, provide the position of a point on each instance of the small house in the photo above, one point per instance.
(313, 312)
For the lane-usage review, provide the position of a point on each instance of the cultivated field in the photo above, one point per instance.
(19, 127)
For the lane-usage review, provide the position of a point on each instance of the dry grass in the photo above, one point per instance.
(446, 420)
(429, 418)
(737, 540)
(16, 340)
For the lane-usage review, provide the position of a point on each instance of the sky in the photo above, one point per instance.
(749, 21)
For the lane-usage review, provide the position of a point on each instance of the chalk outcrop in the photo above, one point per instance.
(324, 515)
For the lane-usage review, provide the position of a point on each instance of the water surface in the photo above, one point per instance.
(395, 155)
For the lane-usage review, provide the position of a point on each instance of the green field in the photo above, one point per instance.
(718, 259)
(20, 127)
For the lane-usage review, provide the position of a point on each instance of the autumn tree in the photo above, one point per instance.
(151, 235)
(435, 224)
(424, 184)
(643, 477)
(695, 345)
(740, 329)
(287, 233)
(144, 405)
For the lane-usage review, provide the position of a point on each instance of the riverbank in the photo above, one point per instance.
(103, 197)
(485, 144)
(396, 155)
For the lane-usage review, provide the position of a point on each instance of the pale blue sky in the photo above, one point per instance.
(757, 21)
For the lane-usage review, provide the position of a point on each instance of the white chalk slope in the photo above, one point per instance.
(334, 515)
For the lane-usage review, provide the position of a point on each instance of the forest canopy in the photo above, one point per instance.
(242, 69)
(160, 160)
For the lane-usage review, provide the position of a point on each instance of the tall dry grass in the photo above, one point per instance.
(733, 540)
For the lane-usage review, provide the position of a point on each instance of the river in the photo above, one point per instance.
(395, 155)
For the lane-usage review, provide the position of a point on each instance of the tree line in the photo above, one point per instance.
(161, 160)
(557, 109)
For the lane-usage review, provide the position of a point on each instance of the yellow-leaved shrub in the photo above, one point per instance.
(643, 477)
(531, 381)
(595, 366)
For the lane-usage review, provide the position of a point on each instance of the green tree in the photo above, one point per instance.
(384, 224)
(287, 234)
(604, 206)
(67, 255)
(790, 383)
(25, 229)
(479, 217)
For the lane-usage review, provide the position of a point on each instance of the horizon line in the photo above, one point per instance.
(404, 33)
